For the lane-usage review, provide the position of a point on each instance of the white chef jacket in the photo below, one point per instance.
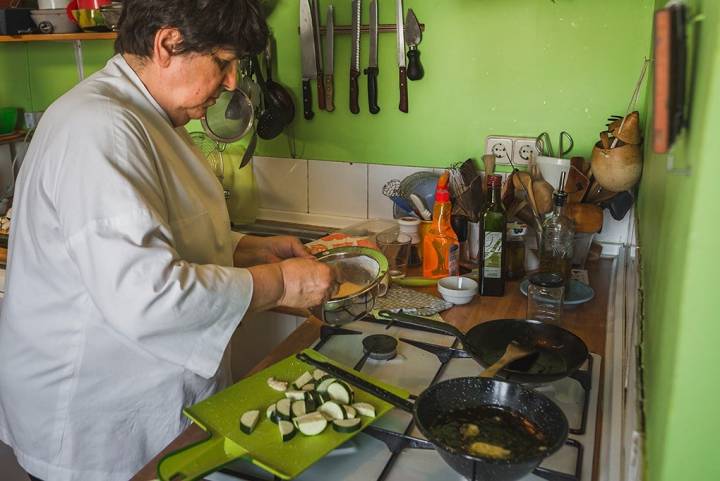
(121, 295)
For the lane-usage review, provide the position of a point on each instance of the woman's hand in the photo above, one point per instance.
(253, 250)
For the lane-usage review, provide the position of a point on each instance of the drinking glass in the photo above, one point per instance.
(395, 246)
(545, 297)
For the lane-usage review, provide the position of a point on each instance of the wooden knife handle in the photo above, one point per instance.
(307, 100)
(354, 106)
(415, 70)
(403, 90)
(320, 91)
(329, 93)
(372, 73)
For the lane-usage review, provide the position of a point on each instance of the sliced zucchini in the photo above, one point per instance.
(365, 409)
(283, 409)
(332, 409)
(295, 394)
(340, 392)
(299, 408)
(319, 374)
(249, 420)
(308, 387)
(304, 378)
(350, 412)
(324, 384)
(347, 425)
(287, 430)
(271, 414)
(311, 424)
(277, 385)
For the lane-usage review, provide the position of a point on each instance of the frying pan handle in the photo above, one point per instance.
(198, 459)
(421, 322)
(351, 378)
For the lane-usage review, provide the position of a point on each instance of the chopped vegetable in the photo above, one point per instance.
(304, 378)
(332, 409)
(249, 420)
(350, 412)
(271, 414)
(287, 430)
(308, 387)
(365, 409)
(282, 408)
(311, 424)
(319, 374)
(295, 395)
(324, 384)
(277, 385)
(299, 408)
(347, 425)
(340, 392)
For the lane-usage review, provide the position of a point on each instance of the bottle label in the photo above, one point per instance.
(453, 257)
(492, 267)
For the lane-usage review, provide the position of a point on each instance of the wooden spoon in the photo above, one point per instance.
(513, 352)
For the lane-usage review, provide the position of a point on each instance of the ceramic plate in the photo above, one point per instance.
(579, 293)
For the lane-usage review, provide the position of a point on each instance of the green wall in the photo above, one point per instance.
(678, 219)
(492, 67)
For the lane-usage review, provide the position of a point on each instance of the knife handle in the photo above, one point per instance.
(320, 91)
(415, 69)
(307, 100)
(354, 107)
(372, 73)
(329, 93)
(403, 90)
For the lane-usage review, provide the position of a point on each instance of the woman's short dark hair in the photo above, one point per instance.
(206, 25)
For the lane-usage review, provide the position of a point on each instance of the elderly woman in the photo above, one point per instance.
(125, 282)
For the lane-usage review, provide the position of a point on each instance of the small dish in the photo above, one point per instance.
(580, 293)
(457, 289)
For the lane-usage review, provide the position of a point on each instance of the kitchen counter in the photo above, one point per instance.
(588, 321)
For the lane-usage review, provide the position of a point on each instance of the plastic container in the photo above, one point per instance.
(581, 249)
(457, 289)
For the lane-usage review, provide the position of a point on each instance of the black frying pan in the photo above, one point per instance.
(448, 397)
(559, 352)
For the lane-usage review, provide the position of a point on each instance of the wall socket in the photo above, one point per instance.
(507, 148)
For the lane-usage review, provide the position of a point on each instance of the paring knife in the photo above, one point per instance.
(355, 57)
(329, 60)
(307, 50)
(401, 55)
(318, 52)
(372, 70)
(413, 38)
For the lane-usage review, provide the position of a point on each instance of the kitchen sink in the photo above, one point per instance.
(271, 228)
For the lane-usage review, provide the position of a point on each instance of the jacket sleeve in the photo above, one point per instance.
(114, 219)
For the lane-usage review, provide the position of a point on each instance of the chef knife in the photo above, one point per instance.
(318, 53)
(329, 59)
(307, 50)
(401, 55)
(372, 70)
(355, 57)
(413, 34)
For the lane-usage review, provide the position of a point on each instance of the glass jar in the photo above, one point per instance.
(545, 297)
(411, 227)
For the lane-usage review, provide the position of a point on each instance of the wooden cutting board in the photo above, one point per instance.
(220, 414)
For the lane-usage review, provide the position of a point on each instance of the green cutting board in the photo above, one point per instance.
(219, 415)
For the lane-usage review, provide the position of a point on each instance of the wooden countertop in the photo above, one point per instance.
(588, 321)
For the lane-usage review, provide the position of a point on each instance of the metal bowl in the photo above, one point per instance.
(359, 265)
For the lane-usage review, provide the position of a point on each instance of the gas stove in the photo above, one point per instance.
(393, 449)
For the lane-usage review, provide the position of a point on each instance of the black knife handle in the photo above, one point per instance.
(415, 69)
(372, 73)
(320, 91)
(403, 90)
(329, 93)
(307, 100)
(354, 106)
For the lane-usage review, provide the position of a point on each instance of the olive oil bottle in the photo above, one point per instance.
(492, 260)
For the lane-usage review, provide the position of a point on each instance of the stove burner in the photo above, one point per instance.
(380, 347)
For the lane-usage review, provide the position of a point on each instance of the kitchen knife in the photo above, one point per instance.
(355, 57)
(413, 38)
(307, 50)
(401, 55)
(329, 59)
(372, 70)
(318, 53)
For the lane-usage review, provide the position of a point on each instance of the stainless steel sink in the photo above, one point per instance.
(270, 228)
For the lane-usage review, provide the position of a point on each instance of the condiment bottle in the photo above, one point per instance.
(515, 250)
(411, 227)
(441, 248)
(557, 240)
(493, 258)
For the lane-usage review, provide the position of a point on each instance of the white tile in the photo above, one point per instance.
(282, 183)
(379, 206)
(337, 188)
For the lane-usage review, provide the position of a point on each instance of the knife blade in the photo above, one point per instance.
(318, 52)
(372, 70)
(355, 57)
(413, 38)
(401, 55)
(307, 51)
(329, 59)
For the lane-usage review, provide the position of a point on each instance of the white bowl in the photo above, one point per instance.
(457, 289)
(551, 169)
(53, 21)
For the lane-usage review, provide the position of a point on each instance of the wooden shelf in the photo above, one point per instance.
(57, 37)
(11, 138)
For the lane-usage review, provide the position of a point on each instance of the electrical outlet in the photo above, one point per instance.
(523, 149)
(500, 147)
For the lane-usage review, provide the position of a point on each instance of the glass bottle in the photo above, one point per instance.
(494, 225)
(557, 240)
(441, 248)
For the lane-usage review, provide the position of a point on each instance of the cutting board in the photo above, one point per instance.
(219, 415)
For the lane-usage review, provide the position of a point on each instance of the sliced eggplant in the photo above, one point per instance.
(322, 387)
(277, 385)
(311, 424)
(299, 408)
(319, 374)
(365, 409)
(283, 409)
(295, 394)
(287, 430)
(340, 392)
(347, 425)
(332, 409)
(308, 387)
(249, 420)
(304, 378)
(350, 412)
(271, 414)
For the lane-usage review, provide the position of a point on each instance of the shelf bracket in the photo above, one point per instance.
(77, 48)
